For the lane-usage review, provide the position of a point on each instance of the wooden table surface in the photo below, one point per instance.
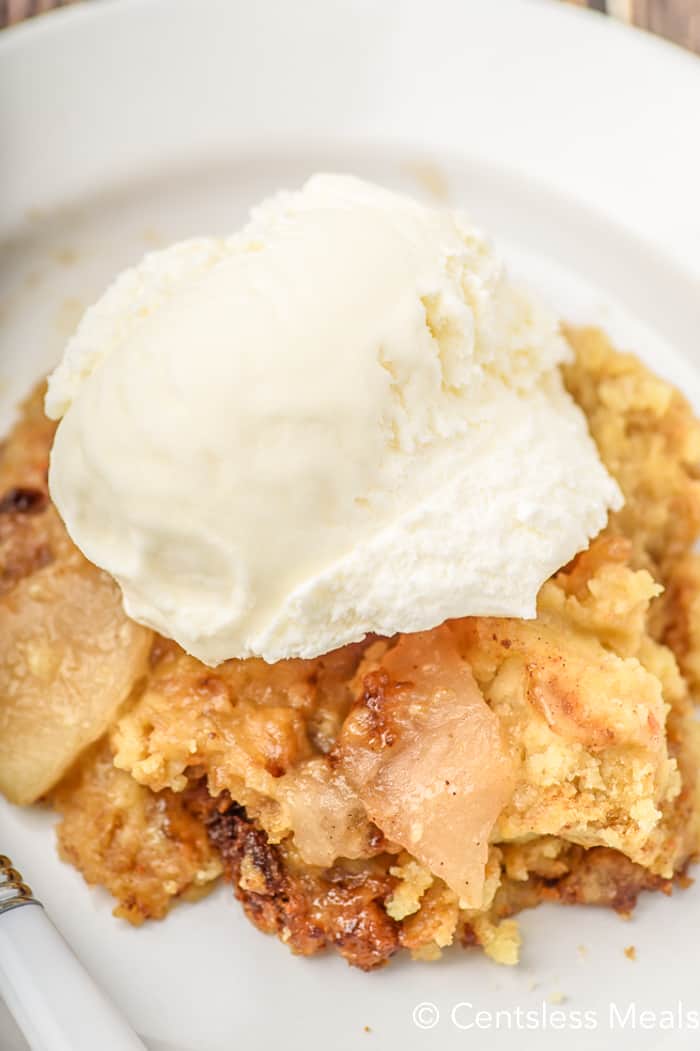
(678, 20)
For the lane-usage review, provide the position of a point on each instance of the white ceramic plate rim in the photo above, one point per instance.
(612, 130)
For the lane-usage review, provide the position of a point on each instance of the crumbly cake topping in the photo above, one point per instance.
(290, 778)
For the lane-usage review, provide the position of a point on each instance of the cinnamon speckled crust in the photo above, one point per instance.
(236, 768)
(144, 847)
(649, 439)
(675, 617)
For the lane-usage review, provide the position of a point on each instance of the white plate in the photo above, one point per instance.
(127, 124)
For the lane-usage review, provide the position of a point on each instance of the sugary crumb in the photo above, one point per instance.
(583, 950)
(631, 952)
(557, 998)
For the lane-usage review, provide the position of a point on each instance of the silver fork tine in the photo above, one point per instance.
(13, 890)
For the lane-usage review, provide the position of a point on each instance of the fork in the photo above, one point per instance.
(54, 1000)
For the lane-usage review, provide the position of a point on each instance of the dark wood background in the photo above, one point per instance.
(677, 20)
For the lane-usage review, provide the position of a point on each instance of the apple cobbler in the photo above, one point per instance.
(410, 792)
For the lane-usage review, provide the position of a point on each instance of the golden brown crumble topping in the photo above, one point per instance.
(144, 847)
(333, 792)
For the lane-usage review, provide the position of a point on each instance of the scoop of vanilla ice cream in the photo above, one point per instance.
(343, 419)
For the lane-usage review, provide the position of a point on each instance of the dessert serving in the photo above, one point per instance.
(331, 565)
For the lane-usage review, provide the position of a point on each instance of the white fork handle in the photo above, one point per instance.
(55, 1002)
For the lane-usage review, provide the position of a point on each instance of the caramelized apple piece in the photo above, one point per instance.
(68, 659)
(424, 753)
(326, 815)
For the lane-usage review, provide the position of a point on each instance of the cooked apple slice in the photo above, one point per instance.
(424, 753)
(69, 657)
